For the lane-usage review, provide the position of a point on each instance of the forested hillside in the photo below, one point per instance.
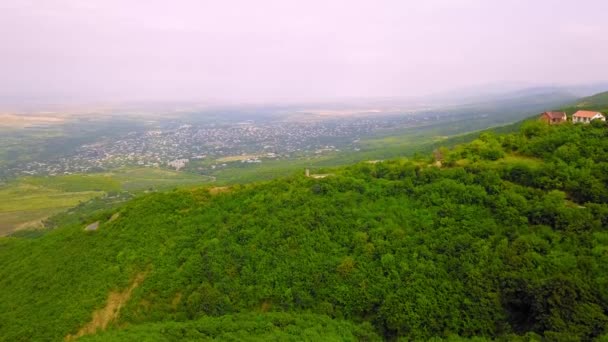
(502, 238)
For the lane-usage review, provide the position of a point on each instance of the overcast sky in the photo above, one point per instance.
(293, 50)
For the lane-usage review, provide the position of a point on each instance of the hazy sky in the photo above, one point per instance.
(292, 50)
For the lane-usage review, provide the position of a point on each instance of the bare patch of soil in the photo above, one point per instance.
(219, 190)
(114, 217)
(176, 300)
(266, 306)
(109, 313)
(34, 224)
(92, 226)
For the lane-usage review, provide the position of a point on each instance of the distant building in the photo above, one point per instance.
(553, 118)
(586, 116)
(178, 163)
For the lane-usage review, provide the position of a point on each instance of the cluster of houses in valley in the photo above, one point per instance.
(581, 116)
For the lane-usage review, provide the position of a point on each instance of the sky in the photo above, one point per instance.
(285, 50)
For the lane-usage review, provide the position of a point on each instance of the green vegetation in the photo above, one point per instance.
(597, 102)
(505, 240)
(76, 183)
(135, 180)
(26, 205)
(246, 327)
(28, 201)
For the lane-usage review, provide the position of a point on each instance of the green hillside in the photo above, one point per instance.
(245, 327)
(29, 202)
(500, 238)
(597, 102)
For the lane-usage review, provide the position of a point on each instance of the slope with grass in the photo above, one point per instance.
(597, 102)
(25, 205)
(28, 202)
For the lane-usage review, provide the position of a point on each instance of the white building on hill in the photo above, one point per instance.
(586, 116)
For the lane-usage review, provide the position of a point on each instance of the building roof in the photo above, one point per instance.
(586, 114)
(555, 115)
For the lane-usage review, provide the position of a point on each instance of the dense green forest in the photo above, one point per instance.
(503, 238)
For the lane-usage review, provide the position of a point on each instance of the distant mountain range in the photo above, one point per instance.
(514, 89)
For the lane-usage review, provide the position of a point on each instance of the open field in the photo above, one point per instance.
(28, 201)
(139, 179)
(24, 205)
(237, 158)
(12, 120)
(76, 183)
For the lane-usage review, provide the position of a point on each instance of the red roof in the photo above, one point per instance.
(586, 114)
(555, 115)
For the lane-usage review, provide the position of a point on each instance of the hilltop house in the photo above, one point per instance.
(586, 116)
(553, 118)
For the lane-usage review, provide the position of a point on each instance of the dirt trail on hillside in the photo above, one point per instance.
(219, 189)
(102, 317)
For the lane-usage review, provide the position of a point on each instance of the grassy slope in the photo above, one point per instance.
(25, 205)
(26, 202)
(597, 102)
